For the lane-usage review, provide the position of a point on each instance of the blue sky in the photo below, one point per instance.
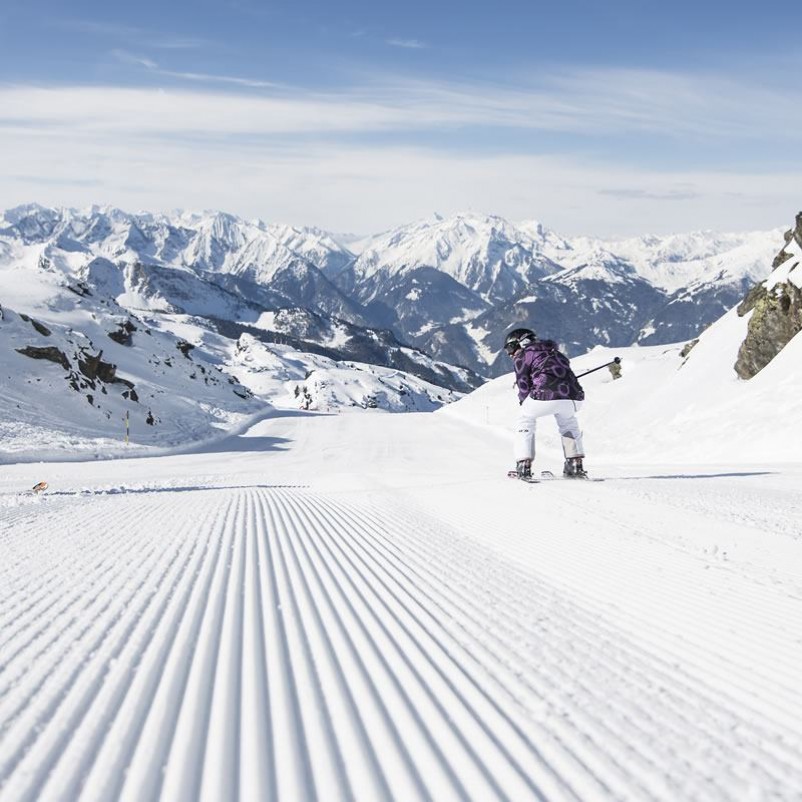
(600, 118)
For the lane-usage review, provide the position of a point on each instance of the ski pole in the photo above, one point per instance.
(615, 361)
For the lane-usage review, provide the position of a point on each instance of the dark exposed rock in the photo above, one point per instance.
(120, 336)
(757, 293)
(80, 288)
(123, 334)
(792, 234)
(184, 347)
(77, 383)
(50, 353)
(40, 327)
(94, 369)
(89, 364)
(688, 348)
(776, 314)
(776, 319)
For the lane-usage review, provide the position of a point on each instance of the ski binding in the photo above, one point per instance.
(532, 480)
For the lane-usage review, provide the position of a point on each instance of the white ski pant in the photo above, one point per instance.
(564, 412)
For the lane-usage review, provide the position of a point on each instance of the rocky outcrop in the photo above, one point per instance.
(776, 307)
(40, 327)
(185, 347)
(123, 334)
(94, 368)
(50, 353)
(688, 347)
(794, 234)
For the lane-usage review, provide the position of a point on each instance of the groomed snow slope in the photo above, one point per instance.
(361, 606)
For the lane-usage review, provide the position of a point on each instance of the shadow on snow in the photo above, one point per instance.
(116, 491)
(732, 475)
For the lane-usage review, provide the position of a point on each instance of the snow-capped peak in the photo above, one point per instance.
(485, 253)
(677, 260)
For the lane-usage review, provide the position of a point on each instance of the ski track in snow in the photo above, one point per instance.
(286, 643)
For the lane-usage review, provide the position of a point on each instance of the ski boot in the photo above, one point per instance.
(573, 469)
(524, 468)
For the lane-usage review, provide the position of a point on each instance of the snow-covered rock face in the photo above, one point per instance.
(76, 367)
(775, 308)
(80, 374)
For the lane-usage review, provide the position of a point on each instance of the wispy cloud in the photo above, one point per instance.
(202, 77)
(409, 44)
(207, 78)
(131, 58)
(373, 188)
(262, 150)
(652, 195)
(591, 104)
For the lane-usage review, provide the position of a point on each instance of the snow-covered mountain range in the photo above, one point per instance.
(453, 286)
(414, 303)
(420, 280)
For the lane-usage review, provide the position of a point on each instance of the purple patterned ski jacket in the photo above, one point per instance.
(544, 373)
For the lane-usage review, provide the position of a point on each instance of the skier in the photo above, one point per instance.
(546, 386)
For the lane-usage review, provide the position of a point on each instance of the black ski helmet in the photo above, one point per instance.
(518, 338)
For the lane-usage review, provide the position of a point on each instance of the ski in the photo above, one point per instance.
(549, 477)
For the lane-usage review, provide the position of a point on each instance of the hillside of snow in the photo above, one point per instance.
(69, 389)
(81, 375)
(668, 408)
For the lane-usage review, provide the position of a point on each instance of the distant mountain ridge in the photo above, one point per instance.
(450, 286)
(492, 274)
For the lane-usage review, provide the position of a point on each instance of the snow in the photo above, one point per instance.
(424, 329)
(479, 336)
(266, 321)
(473, 249)
(345, 605)
(339, 338)
(675, 261)
(788, 270)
